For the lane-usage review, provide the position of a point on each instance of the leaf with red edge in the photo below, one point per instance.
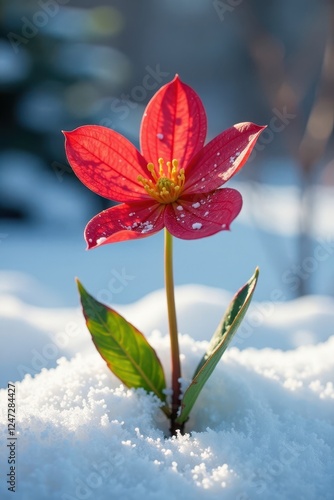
(125, 350)
(222, 157)
(174, 124)
(202, 215)
(106, 162)
(124, 222)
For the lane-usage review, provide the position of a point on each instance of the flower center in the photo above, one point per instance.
(167, 182)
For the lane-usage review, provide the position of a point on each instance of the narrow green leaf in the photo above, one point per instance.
(125, 350)
(218, 344)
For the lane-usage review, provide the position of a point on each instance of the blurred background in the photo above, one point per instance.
(65, 63)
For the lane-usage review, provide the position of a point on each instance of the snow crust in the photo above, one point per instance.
(262, 427)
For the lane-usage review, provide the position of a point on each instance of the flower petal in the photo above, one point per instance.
(174, 124)
(106, 162)
(221, 158)
(124, 222)
(198, 216)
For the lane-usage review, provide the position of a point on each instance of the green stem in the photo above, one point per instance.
(174, 341)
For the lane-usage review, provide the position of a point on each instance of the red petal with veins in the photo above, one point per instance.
(221, 158)
(106, 162)
(124, 222)
(198, 216)
(174, 124)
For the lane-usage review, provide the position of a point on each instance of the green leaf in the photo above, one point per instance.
(125, 350)
(218, 345)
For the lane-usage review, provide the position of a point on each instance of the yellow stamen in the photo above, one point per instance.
(161, 166)
(166, 185)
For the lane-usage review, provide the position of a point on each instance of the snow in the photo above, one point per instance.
(262, 426)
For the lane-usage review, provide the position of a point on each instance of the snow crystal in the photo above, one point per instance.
(197, 225)
(146, 227)
(196, 205)
(100, 240)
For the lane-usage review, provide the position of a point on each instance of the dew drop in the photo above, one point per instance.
(100, 240)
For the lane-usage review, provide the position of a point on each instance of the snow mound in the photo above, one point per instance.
(262, 428)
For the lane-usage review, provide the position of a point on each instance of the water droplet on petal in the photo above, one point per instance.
(100, 240)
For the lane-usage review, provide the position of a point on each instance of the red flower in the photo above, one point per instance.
(175, 182)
